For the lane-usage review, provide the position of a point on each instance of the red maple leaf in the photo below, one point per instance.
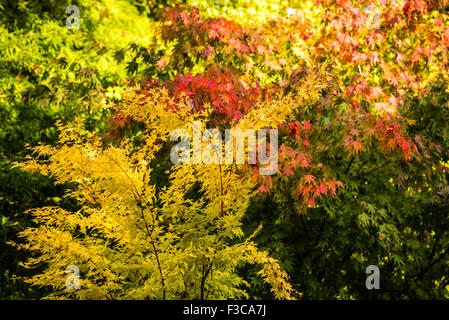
(309, 178)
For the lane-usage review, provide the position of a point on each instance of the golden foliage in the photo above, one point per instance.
(134, 239)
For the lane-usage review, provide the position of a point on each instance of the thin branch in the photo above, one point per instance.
(139, 201)
(349, 165)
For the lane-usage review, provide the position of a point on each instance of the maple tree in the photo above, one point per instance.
(134, 239)
(361, 121)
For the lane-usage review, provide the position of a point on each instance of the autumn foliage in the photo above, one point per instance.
(350, 92)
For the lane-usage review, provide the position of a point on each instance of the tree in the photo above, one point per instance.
(132, 238)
